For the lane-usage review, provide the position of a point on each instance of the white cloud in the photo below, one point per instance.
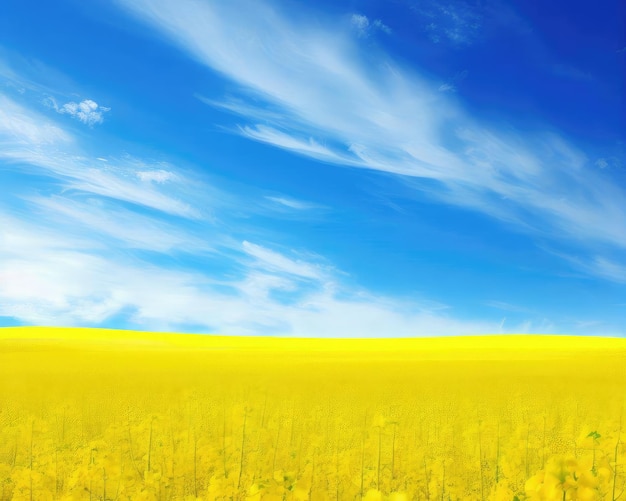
(19, 127)
(597, 266)
(607, 269)
(86, 111)
(454, 23)
(379, 25)
(327, 103)
(36, 144)
(157, 176)
(65, 260)
(308, 147)
(610, 162)
(51, 275)
(602, 163)
(503, 305)
(364, 28)
(451, 85)
(360, 22)
(47, 277)
(293, 204)
(107, 221)
(114, 184)
(275, 261)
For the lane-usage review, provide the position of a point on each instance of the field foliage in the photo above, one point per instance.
(125, 416)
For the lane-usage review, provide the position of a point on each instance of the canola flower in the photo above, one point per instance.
(119, 416)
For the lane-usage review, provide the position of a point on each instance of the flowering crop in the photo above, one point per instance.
(120, 416)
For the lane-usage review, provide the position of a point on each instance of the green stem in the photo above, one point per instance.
(150, 444)
(619, 436)
(243, 444)
(379, 452)
(32, 429)
(195, 465)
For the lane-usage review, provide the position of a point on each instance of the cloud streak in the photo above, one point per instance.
(48, 278)
(80, 249)
(20, 128)
(31, 141)
(89, 239)
(364, 27)
(330, 103)
(291, 203)
(457, 23)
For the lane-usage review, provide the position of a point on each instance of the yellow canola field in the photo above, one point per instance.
(116, 415)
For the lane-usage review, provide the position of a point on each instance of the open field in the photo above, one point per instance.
(113, 415)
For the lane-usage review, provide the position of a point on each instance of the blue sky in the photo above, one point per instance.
(351, 168)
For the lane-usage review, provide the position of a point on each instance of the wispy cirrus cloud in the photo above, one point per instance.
(271, 260)
(318, 96)
(456, 23)
(115, 224)
(364, 27)
(32, 141)
(603, 267)
(156, 176)
(451, 85)
(20, 128)
(503, 305)
(305, 146)
(292, 203)
(78, 247)
(108, 239)
(48, 278)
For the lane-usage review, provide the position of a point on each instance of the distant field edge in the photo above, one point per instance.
(116, 337)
